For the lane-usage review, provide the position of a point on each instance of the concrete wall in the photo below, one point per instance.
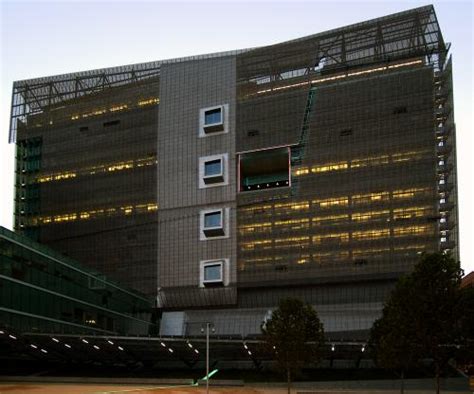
(185, 89)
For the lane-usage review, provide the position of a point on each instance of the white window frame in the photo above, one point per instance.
(224, 280)
(214, 128)
(224, 158)
(224, 224)
(221, 174)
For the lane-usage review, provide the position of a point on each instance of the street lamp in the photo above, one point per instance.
(209, 326)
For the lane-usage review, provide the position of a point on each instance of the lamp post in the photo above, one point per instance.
(209, 326)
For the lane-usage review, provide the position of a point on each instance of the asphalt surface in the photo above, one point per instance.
(57, 388)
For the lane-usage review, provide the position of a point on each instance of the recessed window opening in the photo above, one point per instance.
(400, 110)
(253, 133)
(213, 168)
(213, 120)
(214, 224)
(345, 132)
(213, 273)
(213, 117)
(265, 169)
(213, 220)
(111, 123)
(213, 171)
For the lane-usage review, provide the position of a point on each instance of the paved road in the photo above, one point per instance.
(56, 388)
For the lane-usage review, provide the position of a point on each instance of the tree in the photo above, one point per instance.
(392, 342)
(421, 317)
(465, 354)
(295, 334)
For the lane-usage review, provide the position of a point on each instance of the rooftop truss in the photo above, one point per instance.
(39, 95)
(410, 33)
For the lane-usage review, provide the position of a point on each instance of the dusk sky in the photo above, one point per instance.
(39, 38)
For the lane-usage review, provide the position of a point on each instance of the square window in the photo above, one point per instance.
(213, 117)
(213, 120)
(214, 273)
(213, 168)
(213, 171)
(214, 224)
(213, 220)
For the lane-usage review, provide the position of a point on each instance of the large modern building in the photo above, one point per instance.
(319, 168)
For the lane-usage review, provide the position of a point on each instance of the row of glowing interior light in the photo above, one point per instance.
(333, 255)
(112, 167)
(66, 345)
(304, 223)
(116, 108)
(363, 235)
(342, 165)
(343, 201)
(341, 76)
(151, 207)
(363, 162)
(92, 214)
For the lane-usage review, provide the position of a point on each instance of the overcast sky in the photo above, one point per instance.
(41, 38)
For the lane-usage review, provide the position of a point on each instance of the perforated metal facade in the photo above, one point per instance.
(355, 175)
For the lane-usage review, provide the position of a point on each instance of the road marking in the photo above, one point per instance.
(142, 389)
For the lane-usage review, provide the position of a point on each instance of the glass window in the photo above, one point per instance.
(213, 167)
(213, 219)
(213, 116)
(213, 272)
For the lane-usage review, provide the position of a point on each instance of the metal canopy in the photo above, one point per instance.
(177, 351)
